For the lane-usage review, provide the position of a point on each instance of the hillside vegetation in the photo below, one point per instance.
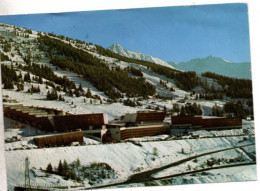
(183, 80)
(95, 71)
(232, 87)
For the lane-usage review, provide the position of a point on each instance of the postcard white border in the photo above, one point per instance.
(8, 7)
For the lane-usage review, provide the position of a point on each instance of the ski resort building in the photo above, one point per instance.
(212, 123)
(54, 120)
(62, 139)
(144, 117)
(96, 126)
(140, 124)
(122, 133)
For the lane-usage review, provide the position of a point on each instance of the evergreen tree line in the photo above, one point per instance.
(187, 109)
(107, 80)
(232, 87)
(64, 49)
(184, 80)
(75, 171)
(4, 57)
(237, 109)
(27, 77)
(8, 76)
(131, 103)
(210, 96)
(68, 171)
(44, 71)
(216, 111)
(34, 90)
(134, 71)
(163, 98)
(7, 47)
(53, 95)
(190, 109)
(97, 72)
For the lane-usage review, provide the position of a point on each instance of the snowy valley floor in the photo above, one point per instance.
(168, 157)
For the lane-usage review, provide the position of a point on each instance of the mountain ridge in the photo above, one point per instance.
(117, 48)
(216, 65)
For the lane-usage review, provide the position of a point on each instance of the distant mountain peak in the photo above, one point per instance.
(116, 45)
(117, 48)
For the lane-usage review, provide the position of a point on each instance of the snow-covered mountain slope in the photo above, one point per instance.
(167, 91)
(74, 104)
(216, 65)
(117, 48)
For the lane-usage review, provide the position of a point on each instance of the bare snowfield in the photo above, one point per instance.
(233, 174)
(124, 158)
(203, 162)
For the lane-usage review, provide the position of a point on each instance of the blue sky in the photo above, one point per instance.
(169, 33)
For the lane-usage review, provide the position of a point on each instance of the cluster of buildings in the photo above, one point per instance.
(53, 120)
(71, 128)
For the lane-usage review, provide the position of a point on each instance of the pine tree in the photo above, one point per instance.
(49, 168)
(60, 168)
(89, 95)
(80, 88)
(27, 77)
(65, 167)
(76, 92)
(20, 75)
(8, 84)
(40, 81)
(52, 96)
(64, 88)
(175, 107)
(70, 93)
(77, 165)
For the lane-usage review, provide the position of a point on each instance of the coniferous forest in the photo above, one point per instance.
(184, 80)
(232, 87)
(97, 72)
